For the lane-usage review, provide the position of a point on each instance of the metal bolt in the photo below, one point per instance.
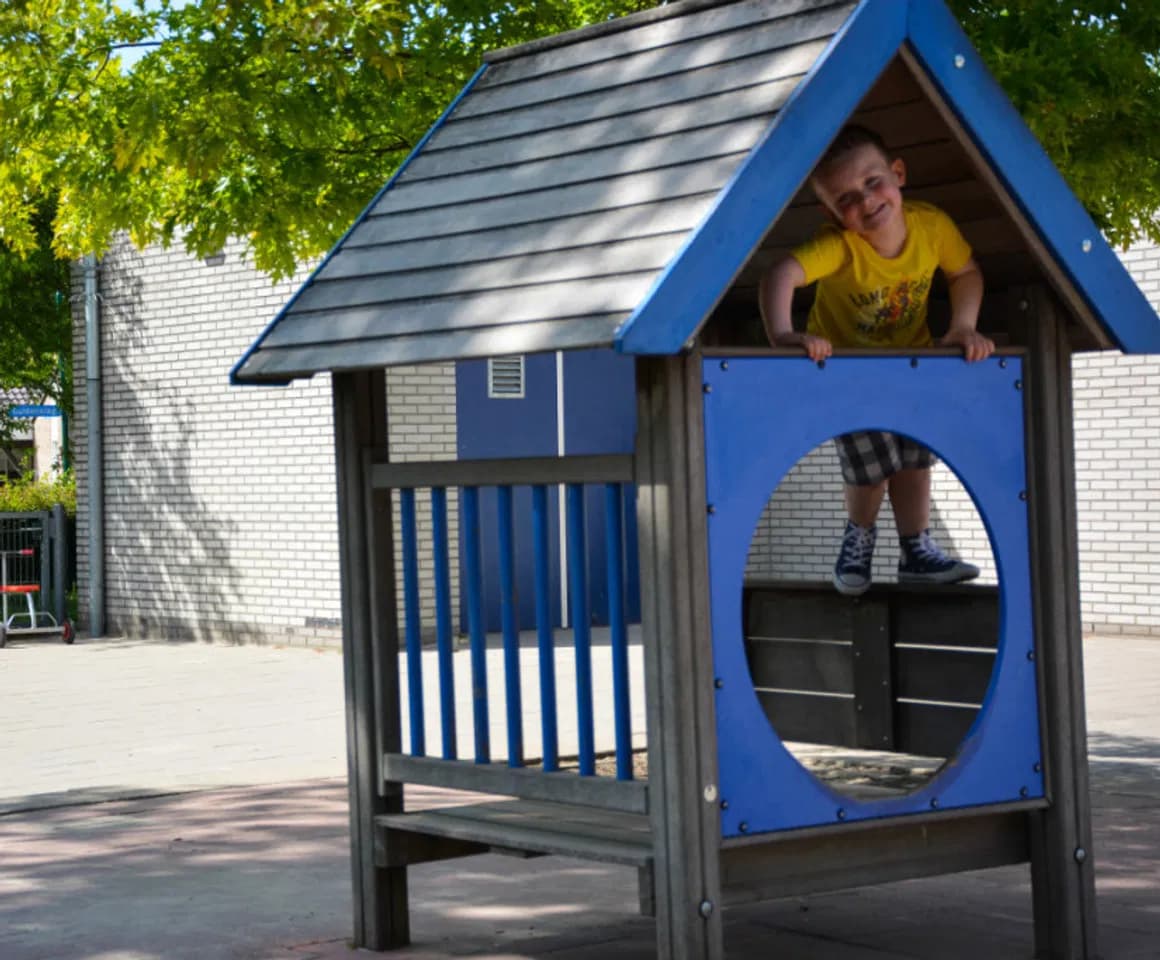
(1023, 791)
(859, 708)
(960, 61)
(1018, 384)
(1024, 305)
(710, 793)
(914, 361)
(1023, 495)
(719, 683)
(724, 804)
(1080, 854)
(1030, 654)
(706, 908)
(1038, 767)
(743, 827)
(1002, 363)
(934, 803)
(707, 388)
(1086, 246)
(821, 364)
(710, 509)
(841, 814)
(724, 364)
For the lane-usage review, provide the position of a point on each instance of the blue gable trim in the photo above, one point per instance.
(234, 373)
(717, 250)
(1018, 159)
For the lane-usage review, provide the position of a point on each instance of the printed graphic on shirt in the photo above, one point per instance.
(883, 313)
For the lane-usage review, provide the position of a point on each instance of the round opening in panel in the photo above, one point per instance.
(871, 614)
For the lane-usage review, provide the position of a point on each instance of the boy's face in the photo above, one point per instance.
(862, 189)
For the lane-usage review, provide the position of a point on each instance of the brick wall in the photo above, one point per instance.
(220, 518)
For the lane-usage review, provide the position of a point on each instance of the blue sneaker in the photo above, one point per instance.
(923, 562)
(852, 571)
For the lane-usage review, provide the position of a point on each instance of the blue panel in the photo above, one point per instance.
(581, 637)
(511, 630)
(444, 642)
(971, 416)
(683, 296)
(600, 418)
(411, 620)
(544, 640)
(477, 638)
(1032, 179)
(509, 428)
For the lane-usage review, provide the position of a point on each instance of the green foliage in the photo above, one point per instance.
(277, 120)
(1084, 76)
(27, 494)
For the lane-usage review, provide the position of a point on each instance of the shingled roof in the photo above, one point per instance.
(603, 188)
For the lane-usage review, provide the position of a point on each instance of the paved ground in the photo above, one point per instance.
(222, 835)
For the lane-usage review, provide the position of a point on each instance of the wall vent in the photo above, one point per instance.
(505, 378)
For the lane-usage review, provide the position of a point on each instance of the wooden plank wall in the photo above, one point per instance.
(900, 669)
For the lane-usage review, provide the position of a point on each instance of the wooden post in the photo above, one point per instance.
(370, 655)
(1062, 867)
(683, 791)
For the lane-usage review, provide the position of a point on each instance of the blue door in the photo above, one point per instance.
(599, 416)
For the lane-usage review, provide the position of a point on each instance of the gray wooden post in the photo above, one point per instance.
(1062, 870)
(370, 661)
(671, 510)
(59, 526)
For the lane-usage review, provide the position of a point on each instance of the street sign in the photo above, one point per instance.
(30, 411)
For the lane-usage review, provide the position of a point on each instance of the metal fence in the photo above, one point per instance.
(37, 549)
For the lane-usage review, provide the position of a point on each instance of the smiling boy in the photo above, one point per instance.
(874, 267)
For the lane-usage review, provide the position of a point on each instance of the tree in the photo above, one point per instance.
(277, 120)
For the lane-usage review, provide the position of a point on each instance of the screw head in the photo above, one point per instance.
(841, 813)
(1038, 767)
(706, 908)
(934, 803)
(743, 827)
(707, 388)
(724, 364)
(914, 361)
(1023, 791)
(710, 509)
(960, 61)
(1030, 654)
(724, 804)
(1002, 363)
(719, 683)
(821, 364)
(1080, 854)
(1018, 384)
(710, 793)
(1086, 246)
(1023, 495)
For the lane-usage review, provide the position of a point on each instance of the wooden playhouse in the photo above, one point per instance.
(621, 188)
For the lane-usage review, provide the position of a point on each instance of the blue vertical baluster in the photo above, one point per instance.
(544, 629)
(411, 621)
(578, 585)
(613, 537)
(443, 621)
(509, 620)
(477, 636)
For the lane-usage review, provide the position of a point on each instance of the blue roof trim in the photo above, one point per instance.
(234, 378)
(768, 179)
(1032, 179)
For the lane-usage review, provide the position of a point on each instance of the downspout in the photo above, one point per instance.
(96, 461)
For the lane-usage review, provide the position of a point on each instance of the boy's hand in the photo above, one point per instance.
(975, 345)
(817, 348)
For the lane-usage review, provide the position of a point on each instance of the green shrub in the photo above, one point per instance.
(28, 494)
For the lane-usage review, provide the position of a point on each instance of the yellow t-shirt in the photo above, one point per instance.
(865, 300)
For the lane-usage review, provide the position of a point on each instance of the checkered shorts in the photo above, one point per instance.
(869, 458)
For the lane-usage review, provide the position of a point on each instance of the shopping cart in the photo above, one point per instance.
(29, 622)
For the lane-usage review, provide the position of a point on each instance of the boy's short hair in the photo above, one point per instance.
(850, 138)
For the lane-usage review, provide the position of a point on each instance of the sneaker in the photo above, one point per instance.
(923, 562)
(852, 571)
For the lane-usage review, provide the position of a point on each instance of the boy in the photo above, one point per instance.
(874, 268)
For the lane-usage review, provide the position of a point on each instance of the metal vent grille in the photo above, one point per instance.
(505, 378)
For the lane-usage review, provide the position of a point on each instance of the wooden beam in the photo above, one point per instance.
(1063, 875)
(370, 662)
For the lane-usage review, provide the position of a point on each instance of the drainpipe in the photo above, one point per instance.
(96, 461)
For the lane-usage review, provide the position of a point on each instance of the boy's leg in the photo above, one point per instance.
(921, 559)
(864, 501)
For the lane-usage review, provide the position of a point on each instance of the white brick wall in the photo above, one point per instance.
(219, 500)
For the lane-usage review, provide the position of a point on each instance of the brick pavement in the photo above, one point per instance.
(261, 872)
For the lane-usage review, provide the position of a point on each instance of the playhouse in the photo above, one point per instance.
(619, 190)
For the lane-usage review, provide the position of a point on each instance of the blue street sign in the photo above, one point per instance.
(30, 411)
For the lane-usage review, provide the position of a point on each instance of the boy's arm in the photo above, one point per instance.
(966, 290)
(776, 297)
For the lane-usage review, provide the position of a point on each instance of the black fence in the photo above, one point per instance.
(38, 550)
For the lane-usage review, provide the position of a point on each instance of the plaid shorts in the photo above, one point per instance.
(869, 458)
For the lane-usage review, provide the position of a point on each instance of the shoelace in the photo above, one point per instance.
(926, 550)
(857, 545)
